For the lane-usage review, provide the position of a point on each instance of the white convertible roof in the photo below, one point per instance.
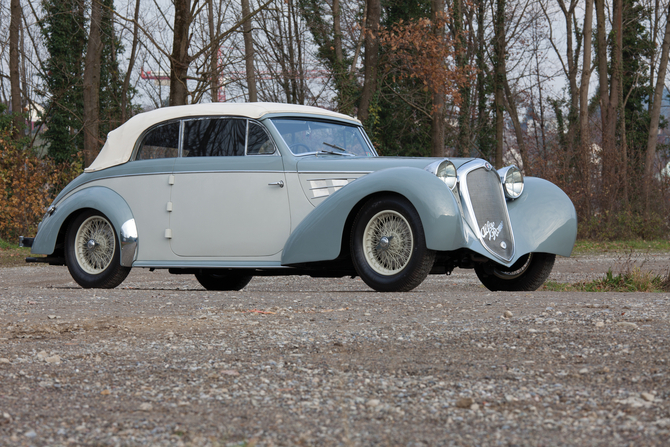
(121, 141)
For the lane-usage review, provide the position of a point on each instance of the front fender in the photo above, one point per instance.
(99, 198)
(319, 236)
(543, 218)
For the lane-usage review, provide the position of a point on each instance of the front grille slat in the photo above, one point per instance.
(490, 212)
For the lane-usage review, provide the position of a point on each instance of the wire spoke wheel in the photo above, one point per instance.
(94, 245)
(92, 252)
(388, 242)
(388, 245)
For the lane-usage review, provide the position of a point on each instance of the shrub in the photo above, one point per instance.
(28, 184)
(625, 225)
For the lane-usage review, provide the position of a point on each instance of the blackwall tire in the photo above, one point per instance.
(221, 280)
(92, 252)
(388, 245)
(528, 274)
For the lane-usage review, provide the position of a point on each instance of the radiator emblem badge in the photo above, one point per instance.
(489, 230)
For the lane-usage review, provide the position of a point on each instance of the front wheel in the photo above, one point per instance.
(92, 252)
(215, 279)
(388, 245)
(527, 274)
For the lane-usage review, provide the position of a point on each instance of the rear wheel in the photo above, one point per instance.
(388, 245)
(527, 274)
(92, 252)
(215, 279)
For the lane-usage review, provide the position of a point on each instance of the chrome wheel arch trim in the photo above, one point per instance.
(129, 241)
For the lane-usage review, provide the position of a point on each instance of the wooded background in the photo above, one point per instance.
(574, 91)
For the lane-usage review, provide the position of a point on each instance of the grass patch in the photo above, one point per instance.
(11, 255)
(635, 280)
(587, 246)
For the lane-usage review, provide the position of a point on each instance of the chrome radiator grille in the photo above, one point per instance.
(489, 211)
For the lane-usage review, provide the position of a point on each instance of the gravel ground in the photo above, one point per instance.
(300, 361)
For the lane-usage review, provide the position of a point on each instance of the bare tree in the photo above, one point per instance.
(499, 69)
(14, 75)
(92, 86)
(437, 119)
(249, 53)
(371, 62)
(655, 114)
(131, 63)
(180, 59)
(584, 131)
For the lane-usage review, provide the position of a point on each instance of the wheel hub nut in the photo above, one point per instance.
(91, 244)
(384, 243)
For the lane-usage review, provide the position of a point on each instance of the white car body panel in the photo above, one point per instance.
(229, 214)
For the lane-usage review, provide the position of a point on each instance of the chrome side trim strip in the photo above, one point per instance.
(210, 264)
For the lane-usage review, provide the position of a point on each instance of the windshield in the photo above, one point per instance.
(314, 136)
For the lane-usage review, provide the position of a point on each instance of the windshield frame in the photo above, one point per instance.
(364, 137)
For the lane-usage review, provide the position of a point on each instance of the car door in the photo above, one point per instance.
(228, 197)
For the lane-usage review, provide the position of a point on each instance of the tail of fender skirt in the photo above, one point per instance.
(489, 212)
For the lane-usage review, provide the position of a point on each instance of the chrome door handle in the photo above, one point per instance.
(280, 183)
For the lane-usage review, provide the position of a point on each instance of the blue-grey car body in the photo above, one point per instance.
(99, 198)
(542, 218)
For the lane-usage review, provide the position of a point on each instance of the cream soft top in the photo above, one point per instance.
(121, 141)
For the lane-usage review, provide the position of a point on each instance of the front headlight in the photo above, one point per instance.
(445, 171)
(512, 181)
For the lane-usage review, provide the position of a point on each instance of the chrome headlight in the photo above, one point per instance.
(445, 171)
(512, 181)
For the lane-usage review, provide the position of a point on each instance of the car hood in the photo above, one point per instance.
(338, 163)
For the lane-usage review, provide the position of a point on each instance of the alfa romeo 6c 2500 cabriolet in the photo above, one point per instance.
(230, 191)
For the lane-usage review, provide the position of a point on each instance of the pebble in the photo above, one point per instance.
(146, 406)
(4, 360)
(30, 434)
(627, 325)
(584, 371)
(55, 359)
(465, 402)
(648, 397)
(600, 323)
(372, 403)
(508, 314)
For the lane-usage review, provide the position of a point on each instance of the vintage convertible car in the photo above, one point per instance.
(230, 191)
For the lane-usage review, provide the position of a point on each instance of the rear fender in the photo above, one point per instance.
(98, 198)
(319, 236)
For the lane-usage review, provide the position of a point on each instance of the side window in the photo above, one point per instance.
(213, 137)
(161, 142)
(258, 141)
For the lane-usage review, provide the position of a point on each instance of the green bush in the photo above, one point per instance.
(625, 225)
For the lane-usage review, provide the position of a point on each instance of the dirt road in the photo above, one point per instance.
(301, 361)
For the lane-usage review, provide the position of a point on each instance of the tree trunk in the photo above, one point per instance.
(337, 33)
(464, 137)
(249, 53)
(131, 64)
(437, 119)
(14, 76)
(214, 53)
(371, 60)
(92, 86)
(584, 131)
(499, 45)
(180, 60)
(655, 115)
(511, 107)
